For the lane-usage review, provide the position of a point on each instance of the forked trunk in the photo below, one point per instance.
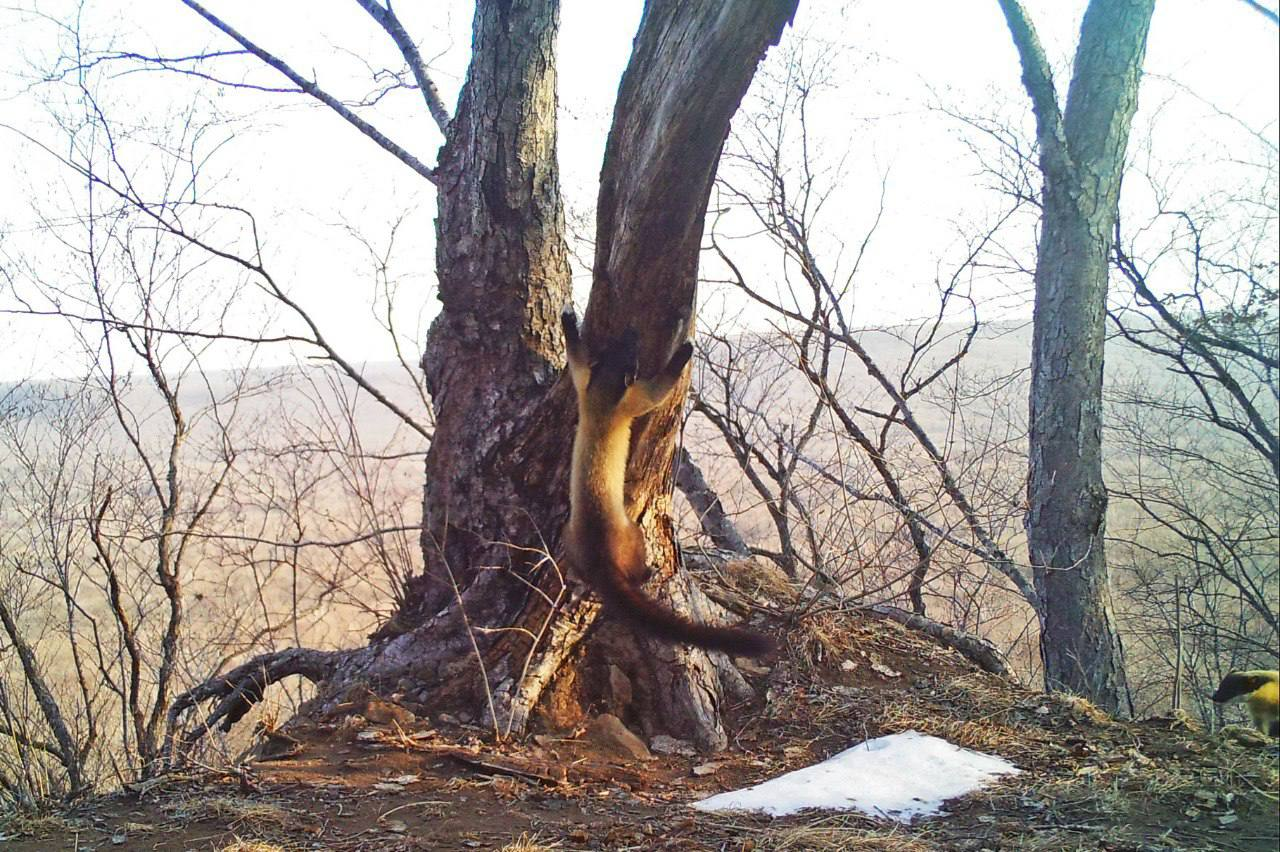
(1082, 157)
(496, 498)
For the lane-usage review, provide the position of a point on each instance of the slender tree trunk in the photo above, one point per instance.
(1082, 158)
(492, 598)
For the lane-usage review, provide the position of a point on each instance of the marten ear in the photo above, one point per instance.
(568, 321)
(679, 359)
(572, 340)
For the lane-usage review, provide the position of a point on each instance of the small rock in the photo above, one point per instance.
(619, 688)
(608, 732)
(884, 671)
(118, 839)
(664, 744)
(384, 713)
(395, 785)
(750, 667)
(704, 769)
(848, 666)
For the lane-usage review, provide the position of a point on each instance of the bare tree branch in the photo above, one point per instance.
(52, 712)
(1037, 77)
(316, 92)
(1270, 14)
(387, 19)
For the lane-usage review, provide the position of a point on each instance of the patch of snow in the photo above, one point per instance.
(901, 777)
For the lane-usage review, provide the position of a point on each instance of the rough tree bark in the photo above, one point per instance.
(492, 628)
(496, 495)
(1082, 157)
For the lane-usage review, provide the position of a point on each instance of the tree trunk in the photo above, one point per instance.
(1082, 158)
(496, 496)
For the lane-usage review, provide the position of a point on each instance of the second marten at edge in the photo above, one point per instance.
(1260, 690)
(603, 544)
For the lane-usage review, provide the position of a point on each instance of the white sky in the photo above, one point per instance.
(310, 179)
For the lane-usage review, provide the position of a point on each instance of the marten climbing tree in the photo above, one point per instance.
(493, 628)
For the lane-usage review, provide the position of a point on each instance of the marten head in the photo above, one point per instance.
(613, 372)
(1240, 684)
(607, 380)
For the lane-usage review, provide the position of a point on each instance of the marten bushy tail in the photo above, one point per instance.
(627, 601)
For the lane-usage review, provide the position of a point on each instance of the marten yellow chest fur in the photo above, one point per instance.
(603, 544)
(1260, 690)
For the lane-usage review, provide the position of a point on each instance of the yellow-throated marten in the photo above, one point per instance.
(602, 542)
(1260, 689)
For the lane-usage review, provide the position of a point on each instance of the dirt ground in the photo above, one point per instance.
(408, 783)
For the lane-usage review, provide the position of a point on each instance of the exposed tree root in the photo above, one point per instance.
(974, 648)
(235, 692)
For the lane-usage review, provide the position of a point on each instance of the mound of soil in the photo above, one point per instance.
(384, 779)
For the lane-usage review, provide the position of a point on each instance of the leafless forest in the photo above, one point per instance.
(210, 512)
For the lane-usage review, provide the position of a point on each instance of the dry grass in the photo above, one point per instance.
(976, 712)
(525, 843)
(1088, 782)
(981, 734)
(817, 832)
(833, 838)
(239, 845)
(236, 813)
(34, 824)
